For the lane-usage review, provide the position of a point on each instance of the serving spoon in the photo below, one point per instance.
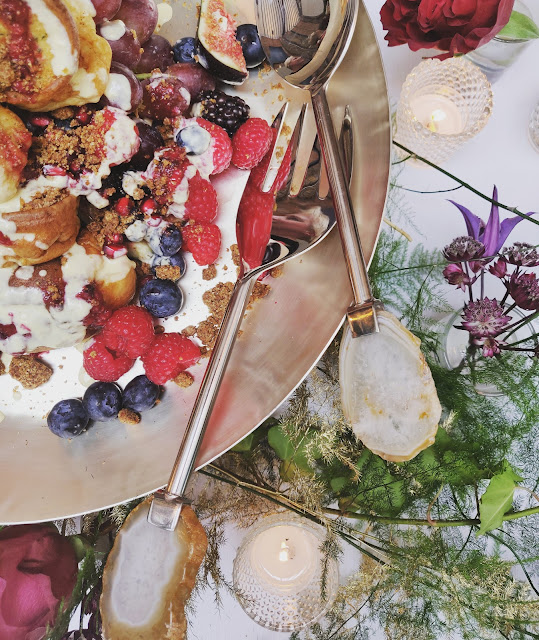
(305, 41)
(387, 391)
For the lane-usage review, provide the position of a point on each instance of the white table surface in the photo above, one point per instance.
(501, 154)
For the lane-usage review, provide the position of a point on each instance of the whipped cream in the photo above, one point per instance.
(36, 325)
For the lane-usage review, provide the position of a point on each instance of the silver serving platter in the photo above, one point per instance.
(45, 478)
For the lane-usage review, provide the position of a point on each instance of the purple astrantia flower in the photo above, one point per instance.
(524, 290)
(484, 318)
(490, 347)
(498, 269)
(463, 249)
(454, 274)
(521, 254)
(493, 234)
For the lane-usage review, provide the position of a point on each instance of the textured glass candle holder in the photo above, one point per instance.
(533, 128)
(442, 105)
(289, 605)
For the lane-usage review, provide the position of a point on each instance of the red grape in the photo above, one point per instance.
(164, 97)
(105, 9)
(123, 88)
(157, 54)
(123, 42)
(139, 15)
(150, 140)
(194, 77)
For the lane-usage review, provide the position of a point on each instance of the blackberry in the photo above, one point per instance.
(112, 184)
(226, 111)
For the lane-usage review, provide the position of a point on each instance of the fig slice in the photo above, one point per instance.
(149, 576)
(218, 50)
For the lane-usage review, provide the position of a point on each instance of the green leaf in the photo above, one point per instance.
(497, 499)
(520, 27)
(337, 484)
(244, 445)
(280, 443)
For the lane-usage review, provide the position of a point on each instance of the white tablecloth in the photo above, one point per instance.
(501, 154)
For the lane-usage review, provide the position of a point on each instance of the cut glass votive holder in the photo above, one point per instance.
(278, 571)
(443, 104)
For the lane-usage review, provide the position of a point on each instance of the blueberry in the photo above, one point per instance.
(166, 240)
(63, 124)
(68, 418)
(176, 260)
(185, 50)
(194, 139)
(247, 36)
(141, 394)
(103, 401)
(162, 298)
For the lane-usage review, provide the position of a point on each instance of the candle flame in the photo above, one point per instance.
(438, 114)
(283, 553)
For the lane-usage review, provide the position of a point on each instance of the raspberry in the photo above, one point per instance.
(222, 146)
(170, 354)
(129, 331)
(101, 364)
(251, 143)
(259, 172)
(254, 220)
(203, 241)
(201, 205)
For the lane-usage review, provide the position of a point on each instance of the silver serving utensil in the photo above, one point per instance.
(305, 41)
(298, 224)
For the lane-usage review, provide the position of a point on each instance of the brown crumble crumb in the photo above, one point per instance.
(216, 299)
(168, 272)
(277, 272)
(184, 379)
(260, 291)
(159, 328)
(189, 331)
(29, 371)
(235, 255)
(2, 368)
(209, 273)
(128, 416)
(207, 331)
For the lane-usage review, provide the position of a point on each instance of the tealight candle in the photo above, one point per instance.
(437, 113)
(285, 557)
(442, 105)
(277, 573)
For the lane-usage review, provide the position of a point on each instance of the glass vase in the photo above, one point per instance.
(457, 351)
(533, 128)
(501, 52)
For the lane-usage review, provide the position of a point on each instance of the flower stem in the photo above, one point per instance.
(466, 185)
(520, 323)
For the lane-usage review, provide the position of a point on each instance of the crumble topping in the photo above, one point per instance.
(29, 371)
(184, 379)
(128, 416)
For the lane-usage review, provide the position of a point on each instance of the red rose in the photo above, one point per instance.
(456, 26)
(38, 568)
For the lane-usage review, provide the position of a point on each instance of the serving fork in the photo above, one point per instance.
(299, 223)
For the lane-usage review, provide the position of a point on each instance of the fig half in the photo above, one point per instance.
(218, 50)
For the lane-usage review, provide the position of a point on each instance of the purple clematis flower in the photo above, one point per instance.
(493, 234)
